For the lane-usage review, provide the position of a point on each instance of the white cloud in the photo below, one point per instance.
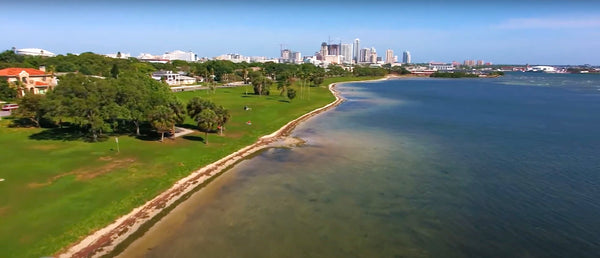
(550, 23)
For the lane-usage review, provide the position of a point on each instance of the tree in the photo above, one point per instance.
(261, 85)
(31, 108)
(7, 92)
(88, 101)
(284, 81)
(223, 117)
(114, 71)
(291, 94)
(196, 105)
(162, 119)
(207, 121)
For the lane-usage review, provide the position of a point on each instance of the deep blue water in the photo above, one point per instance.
(505, 167)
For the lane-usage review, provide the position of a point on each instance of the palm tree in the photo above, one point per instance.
(163, 119)
(207, 120)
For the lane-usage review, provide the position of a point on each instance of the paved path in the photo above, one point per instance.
(179, 131)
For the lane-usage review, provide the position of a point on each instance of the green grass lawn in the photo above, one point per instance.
(57, 191)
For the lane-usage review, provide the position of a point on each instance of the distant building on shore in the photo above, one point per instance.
(346, 53)
(389, 56)
(180, 55)
(34, 52)
(406, 57)
(436, 66)
(356, 51)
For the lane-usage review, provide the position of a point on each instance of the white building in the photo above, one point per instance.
(236, 58)
(180, 55)
(34, 52)
(346, 53)
(541, 69)
(172, 78)
(434, 66)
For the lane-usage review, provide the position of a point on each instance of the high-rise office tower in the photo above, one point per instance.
(373, 56)
(333, 50)
(346, 53)
(389, 56)
(356, 49)
(324, 51)
(364, 55)
(406, 57)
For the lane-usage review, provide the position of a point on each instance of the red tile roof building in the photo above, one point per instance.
(28, 80)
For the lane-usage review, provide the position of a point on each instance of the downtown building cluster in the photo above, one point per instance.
(344, 54)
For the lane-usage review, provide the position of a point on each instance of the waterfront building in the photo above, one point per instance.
(346, 53)
(34, 52)
(469, 62)
(35, 81)
(356, 51)
(389, 56)
(436, 66)
(373, 58)
(364, 55)
(406, 57)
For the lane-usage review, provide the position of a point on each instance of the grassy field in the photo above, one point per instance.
(58, 189)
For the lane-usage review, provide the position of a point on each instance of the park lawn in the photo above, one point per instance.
(59, 190)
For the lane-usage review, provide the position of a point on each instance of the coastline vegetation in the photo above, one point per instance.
(59, 187)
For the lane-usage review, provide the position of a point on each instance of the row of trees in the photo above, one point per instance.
(119, 105)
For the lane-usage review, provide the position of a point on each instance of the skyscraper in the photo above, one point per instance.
(346, 53)
(324, 51)
(356, 51)
(373, 59)
(333, 50)
(364, 55)
(406, 57)
(389, 56)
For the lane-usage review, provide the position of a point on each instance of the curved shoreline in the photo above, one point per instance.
(105, 240)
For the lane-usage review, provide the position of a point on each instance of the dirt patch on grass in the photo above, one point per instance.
(88, 172)
(4, 210)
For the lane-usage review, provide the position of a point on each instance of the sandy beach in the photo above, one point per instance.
(104, 240)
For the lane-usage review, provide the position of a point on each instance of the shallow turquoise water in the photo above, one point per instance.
(503, 167)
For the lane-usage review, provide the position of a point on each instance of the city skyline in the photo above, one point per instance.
(534, 32)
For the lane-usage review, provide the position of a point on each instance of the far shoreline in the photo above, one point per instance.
(105, 240)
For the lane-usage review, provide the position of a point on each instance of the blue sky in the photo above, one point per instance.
(535, 32)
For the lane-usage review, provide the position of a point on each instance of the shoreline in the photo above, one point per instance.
(105, 240)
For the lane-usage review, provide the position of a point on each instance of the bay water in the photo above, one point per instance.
(503, 167)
